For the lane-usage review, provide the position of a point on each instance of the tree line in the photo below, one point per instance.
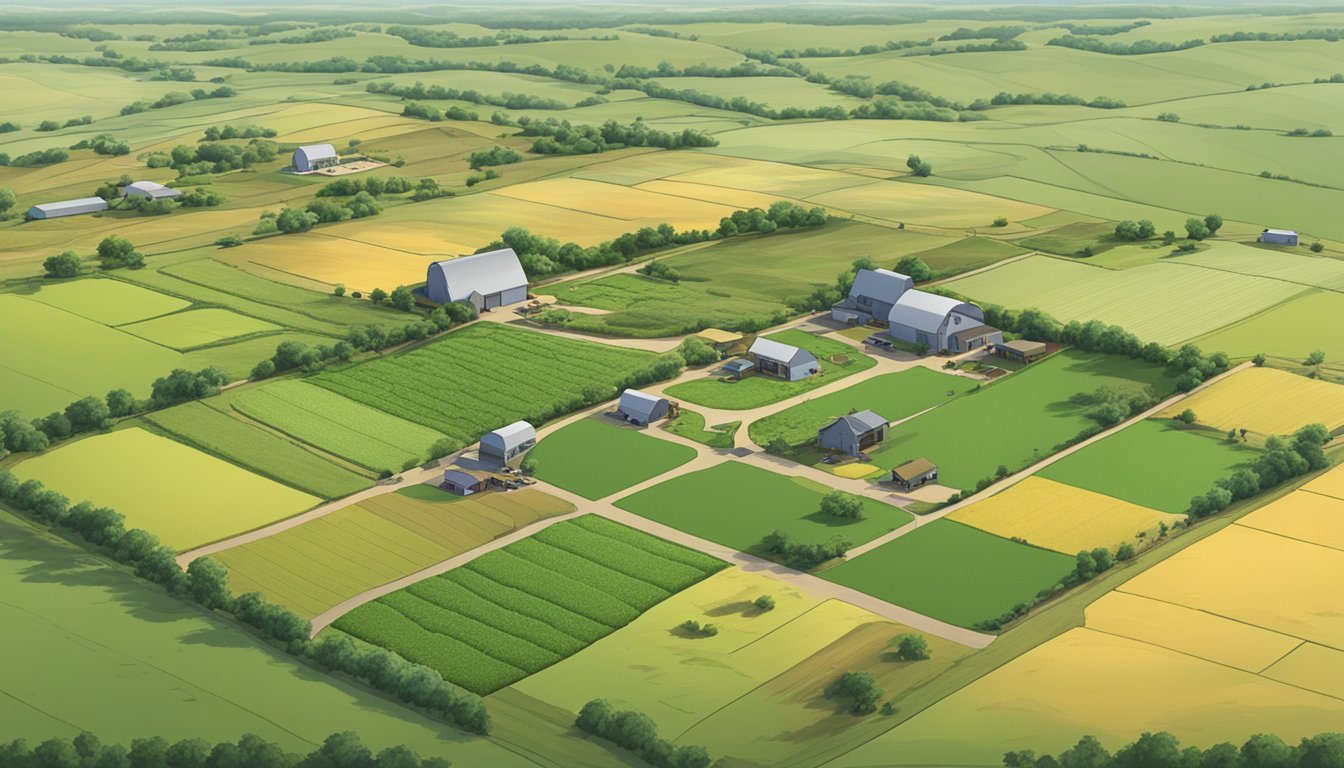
(1283, 459)
(506, 100)
(1163, 750)
(1136, 48)
(437, 38)
(636, 732)
(560, 137)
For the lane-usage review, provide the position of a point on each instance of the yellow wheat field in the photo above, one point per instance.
(1060, 517)
(1329, 484)
(332, 260)
(1305, 515)
(926, 204)
(1187, 630)
(613, 200)
(737, 198)
(1313, 667)
(1267, 401)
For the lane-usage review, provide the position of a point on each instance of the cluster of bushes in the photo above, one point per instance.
(798, 555)
(1103, 31)
(1131, 231)
(9, 126)
(857, 689)
(420, 91)
(103, 144)
(1200, 228)
(1136, 48)
(1108, 406)
(560, 137)
(115, 252)
(319, 210)
(436, 115)
(221, 133)
(693, 628)
(1162, 750)
(747, 68)
(1319, 133)
(173, 98)
(841, 505)
(1282, 460)
(495, 155)
(918, 167)
(637, 733)
(1003, 98)
(348, 186)
(319, 35)
(697, 352)
(659, 271)
(213, 157)
(200, 197)
(56, 125)
(36, 158)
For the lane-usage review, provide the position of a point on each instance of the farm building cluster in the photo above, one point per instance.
(940, 323)
(145, 190)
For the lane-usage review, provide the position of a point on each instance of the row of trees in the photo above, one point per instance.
(1282, 460)
(1162, 750)
(420, 91)
(1136, 48)
(213, 157)
(560, 137)
(173, 98)
(780, 546)
(637, 733)
(1003, 98)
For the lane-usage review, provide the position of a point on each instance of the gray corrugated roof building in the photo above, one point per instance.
(150, 189)
(853, 433)
(641, 407)
(486, 280)
(872, 295)
(67, 208)
(941, 322)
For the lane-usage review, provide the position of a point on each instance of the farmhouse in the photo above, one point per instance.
(150, 190)
(1020, 350)
(943, 323)
(486, 280)
(874, 293)
(783, 360)
(853, 434)
(914, 474)
(1279, 236)
(642, 408)
(315, 156)
(67, 208)
(465, 482)
(508, 443)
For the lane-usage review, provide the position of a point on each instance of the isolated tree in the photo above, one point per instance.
(1196, 229)
(1213, 222)
(1186, 417)
(1316, 357)
(1259, 360)
(859, 688)
(402, 298)
(115, 251)
(910, 647)
(1168, 237)
(918, 166)
(1316, 247)
(339, 290)
(764, 603)
(63, 264)
(7, 200)
(377, 295)
(842, 505)
(915, 267)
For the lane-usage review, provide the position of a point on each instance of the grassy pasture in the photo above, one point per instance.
(1276, 331)
(198, 328)
(110, 302)
(1014, 421)
(642, 307)
(1136, 299)
(1153, 463)
(927, 204)
(257, 449)
(736, 505)
(347, 428)
(756, 390)
(691, 425)
(1267, 401)
(451, 385)
(894, 396)
(953, 572)
(182, 495)
(968, 254)
(596, 458)
(1291, 265)
(93, 637)
(317, 565)
(522, 608)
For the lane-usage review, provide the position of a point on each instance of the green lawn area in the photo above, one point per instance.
(736, 505)
(1070, 238)
(691, 425)
(105, 652)
(953, 572)
(198, 327)
(1153, 463)
(893, 396)
(1014, 421)
(755, 391)
(594, 458)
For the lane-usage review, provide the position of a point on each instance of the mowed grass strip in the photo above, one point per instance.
(483, 377)
(1061, 517)
(1154, 463)
(347, 428)
(106, 301)
(737, 505)
(953, 572)
(595, 458)
(198, 327)
(756, 390)
(1014, 421)
(1266, 400)
(517, 610)
(263, 452)
(317, 565)
(184, 496)
(894, 396)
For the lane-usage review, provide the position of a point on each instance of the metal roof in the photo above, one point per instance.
(150, 189)
(71, 207)
(881, 284)
(926, 311)
(1024, 346)
(717, 336)
(860, 422)
(483, 273)
(781, 352)
(638, 403)
(477, 475)
(916, 468)
(739, 365)
(1280, 232)
(316, 152)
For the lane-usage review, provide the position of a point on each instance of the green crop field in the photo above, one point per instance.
(524, 607)
(315, 566)
(736, 505)
(595, 459)
(754, 391)
(970, 253)
(338, 425)
(452, 385)
(258, 450)
(1137, 299)
(1275, 332)
(953, 572)
(106, 653)
(894, 396)
(1014, 421)
(183, 496)
(198, 328)
(110, 302)
(1174, 464)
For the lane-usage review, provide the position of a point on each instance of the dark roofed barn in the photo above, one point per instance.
(914, 474)
(853, 434)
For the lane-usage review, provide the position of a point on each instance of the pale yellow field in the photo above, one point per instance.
(736, 198)
(1061, 517)
(1312, 667)
(1187, 630)
(336, 123)
(855, 470)
(1304, 515)
(332, 260)
(633, 205)
(1329, 484)
(1267, 401)
(775, 178)
(1089, 682)
(926, 204)
(1259, 578)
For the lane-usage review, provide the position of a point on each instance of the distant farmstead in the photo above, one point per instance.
(853, 434)
(151, 190)
(508, 443)
(913, 316)
(486, 280)
(67, 208)
(785, 361)
(1279, 237)
(315, 156)
(642, 408)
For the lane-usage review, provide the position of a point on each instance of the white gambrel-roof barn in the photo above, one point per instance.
(509, 442)
(315, 156)
(152, 190)
(67, 208)
(485, 280)
(941, 322)
(641, 408)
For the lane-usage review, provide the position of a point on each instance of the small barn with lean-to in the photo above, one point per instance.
(465, 482)
(914, 474)
(508, 443)
(151, 190)
(853, 434)
(1279, 237)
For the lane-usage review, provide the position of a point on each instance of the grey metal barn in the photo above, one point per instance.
(1279, 237)
(67, 208)
(853, 434)
(944, 324)
(785, 361)
(485, 280)
(641, 408)
(873, 294)
(150, 189)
